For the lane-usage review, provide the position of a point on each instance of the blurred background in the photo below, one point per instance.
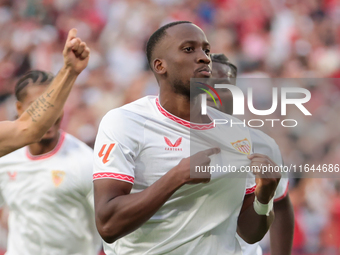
(263, 38)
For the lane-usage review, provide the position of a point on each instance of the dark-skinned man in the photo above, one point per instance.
(282, 229)
(143, 163)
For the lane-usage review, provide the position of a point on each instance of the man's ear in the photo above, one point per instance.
(159, 66)
(20, 108)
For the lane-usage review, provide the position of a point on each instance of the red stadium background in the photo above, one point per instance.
(264, 38)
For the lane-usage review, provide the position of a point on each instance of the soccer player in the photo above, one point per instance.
(143, 160)
(282, 229)
(47, 187)
(40, 116)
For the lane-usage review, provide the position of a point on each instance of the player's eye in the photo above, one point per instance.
(188, 49)
(207, 51)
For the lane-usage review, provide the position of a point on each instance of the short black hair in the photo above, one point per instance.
(222, 59)
(156, 37)
(34, 77)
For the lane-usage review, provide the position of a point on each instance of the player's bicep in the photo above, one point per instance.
(16, 134)
(9, 137)
(105, 190)
(108, 189)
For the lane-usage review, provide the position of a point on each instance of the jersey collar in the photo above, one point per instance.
(182, 122)
(50, 153)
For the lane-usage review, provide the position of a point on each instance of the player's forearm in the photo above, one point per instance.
(253, 222)
(282, 229)
(253, 227)
(39, 116)
(124, 214)
(44, 111)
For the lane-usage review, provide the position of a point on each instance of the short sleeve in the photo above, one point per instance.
(116, 147)
(282, 189)
(264, 144)
(250, 183)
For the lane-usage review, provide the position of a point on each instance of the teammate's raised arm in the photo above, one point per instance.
(44, 111)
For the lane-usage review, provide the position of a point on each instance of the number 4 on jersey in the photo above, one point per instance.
(107, 153)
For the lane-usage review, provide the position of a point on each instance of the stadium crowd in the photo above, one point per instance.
(295, 42)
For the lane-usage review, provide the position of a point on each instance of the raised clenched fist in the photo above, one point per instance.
(76, 53)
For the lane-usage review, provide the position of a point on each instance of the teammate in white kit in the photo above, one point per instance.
(43, 112)
(282, 229)
(142, 164)
(47, 187)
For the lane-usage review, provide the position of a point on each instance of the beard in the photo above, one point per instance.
(47, 141)
(181, 87)
(184, 88)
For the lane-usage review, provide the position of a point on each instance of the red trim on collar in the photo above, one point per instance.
(181, 121)
(48, 154)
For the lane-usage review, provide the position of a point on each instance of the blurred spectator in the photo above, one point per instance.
(264, 38)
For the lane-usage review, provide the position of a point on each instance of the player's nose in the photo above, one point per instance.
(203, 57)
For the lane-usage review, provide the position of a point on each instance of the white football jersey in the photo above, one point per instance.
(264, 144)
(140, 142)
(50, 200)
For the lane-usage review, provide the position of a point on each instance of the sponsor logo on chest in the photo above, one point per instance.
(173, 146)
(12, 175)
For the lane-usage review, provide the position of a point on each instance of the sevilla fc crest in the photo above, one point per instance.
(57, 177)
(242, 146)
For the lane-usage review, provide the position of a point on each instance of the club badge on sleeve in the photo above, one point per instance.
(105, 151)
